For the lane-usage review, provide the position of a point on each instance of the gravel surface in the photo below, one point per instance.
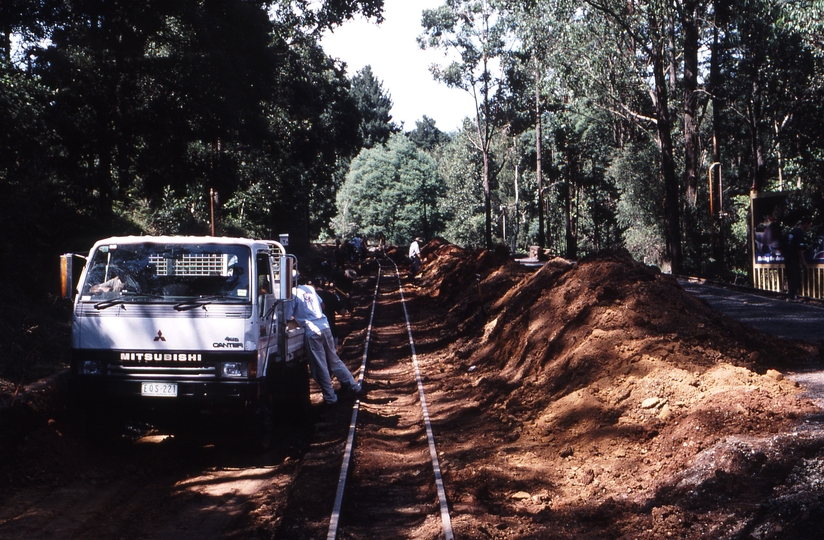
(801, 321)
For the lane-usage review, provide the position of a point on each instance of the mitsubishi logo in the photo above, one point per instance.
(159, 336)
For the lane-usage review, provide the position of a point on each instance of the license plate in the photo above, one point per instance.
(158, 389)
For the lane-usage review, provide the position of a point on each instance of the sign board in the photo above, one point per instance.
(768, 210)
(772, 215)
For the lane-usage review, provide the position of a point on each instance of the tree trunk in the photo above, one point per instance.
(487, 201)
(690, 100)
(757, 154)
(672, 211)
(484, 138)
(571, 244)
(517, 209)
(717, 104)
(538, 172)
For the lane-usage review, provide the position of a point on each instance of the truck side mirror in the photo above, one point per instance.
(67, 275)
(287, 265)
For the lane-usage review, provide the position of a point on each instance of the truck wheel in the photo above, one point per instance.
(95, 418)
(265, 425)
(102, 427)
(290, 392)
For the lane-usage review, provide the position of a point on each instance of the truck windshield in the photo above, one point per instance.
(158, 271)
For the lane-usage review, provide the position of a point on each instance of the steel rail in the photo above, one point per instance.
(350, 439)
(433, 454)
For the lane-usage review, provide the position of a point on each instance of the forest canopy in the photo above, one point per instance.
(595, 126)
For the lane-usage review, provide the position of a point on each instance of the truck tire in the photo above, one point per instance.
(101, 426)
(95, 418)
(285, 400)
(289, 387)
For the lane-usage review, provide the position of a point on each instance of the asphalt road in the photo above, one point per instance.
(802, 320)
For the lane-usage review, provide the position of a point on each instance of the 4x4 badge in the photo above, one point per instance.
(160, 336)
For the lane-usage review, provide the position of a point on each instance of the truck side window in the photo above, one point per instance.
(264, 274)
(264, 280)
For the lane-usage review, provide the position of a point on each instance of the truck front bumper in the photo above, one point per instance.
(194, 394)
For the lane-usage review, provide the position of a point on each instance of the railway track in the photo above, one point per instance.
(361, 469)
(389, 483)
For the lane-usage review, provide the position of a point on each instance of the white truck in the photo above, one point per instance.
(183, 324)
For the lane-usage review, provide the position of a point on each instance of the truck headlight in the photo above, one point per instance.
(90, 367)
(234, 369)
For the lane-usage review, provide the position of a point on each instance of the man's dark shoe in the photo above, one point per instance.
(355, 390)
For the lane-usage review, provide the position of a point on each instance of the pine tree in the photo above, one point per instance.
(374, 105)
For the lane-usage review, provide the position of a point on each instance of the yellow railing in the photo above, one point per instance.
(771, 277)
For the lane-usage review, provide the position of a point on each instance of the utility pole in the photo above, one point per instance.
(213, 200)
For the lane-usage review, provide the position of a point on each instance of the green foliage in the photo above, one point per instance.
(374, 105)
(187, 215)
(393, 189)
(639, 212)
(463, 205)
(146, 99)
(474, 32)
(738, 236)
(426, 135)
(126, 118)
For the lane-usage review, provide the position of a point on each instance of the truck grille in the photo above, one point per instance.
(203, 371)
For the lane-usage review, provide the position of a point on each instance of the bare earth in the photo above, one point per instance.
(588, 400)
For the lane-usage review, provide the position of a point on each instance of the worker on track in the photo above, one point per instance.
(324, 361)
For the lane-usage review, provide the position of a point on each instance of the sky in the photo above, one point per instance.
(400, 65)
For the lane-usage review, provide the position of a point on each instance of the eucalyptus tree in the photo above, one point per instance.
(806, 20)
(515, 195)
(472, 31)
(692, 16)
(190, 96)
(776, 88)
(586, 107)
(392, 189)
(538, 27)
(463, 206)
(636, 41)
(93, 64)
(147, 97)
(639, 212)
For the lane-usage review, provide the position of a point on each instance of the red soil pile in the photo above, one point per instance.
(623, 403)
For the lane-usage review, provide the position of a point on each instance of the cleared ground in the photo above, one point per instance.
(590, 400)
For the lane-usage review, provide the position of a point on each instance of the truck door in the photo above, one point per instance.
(267, 344)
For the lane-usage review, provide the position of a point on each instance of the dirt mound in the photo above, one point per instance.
(448, 270)
(619, 395)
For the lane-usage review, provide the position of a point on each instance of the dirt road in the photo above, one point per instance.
(59, 486)
(767, 312)
(772, 314)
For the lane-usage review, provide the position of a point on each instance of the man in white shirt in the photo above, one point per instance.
(415, 255)
(323, 358)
